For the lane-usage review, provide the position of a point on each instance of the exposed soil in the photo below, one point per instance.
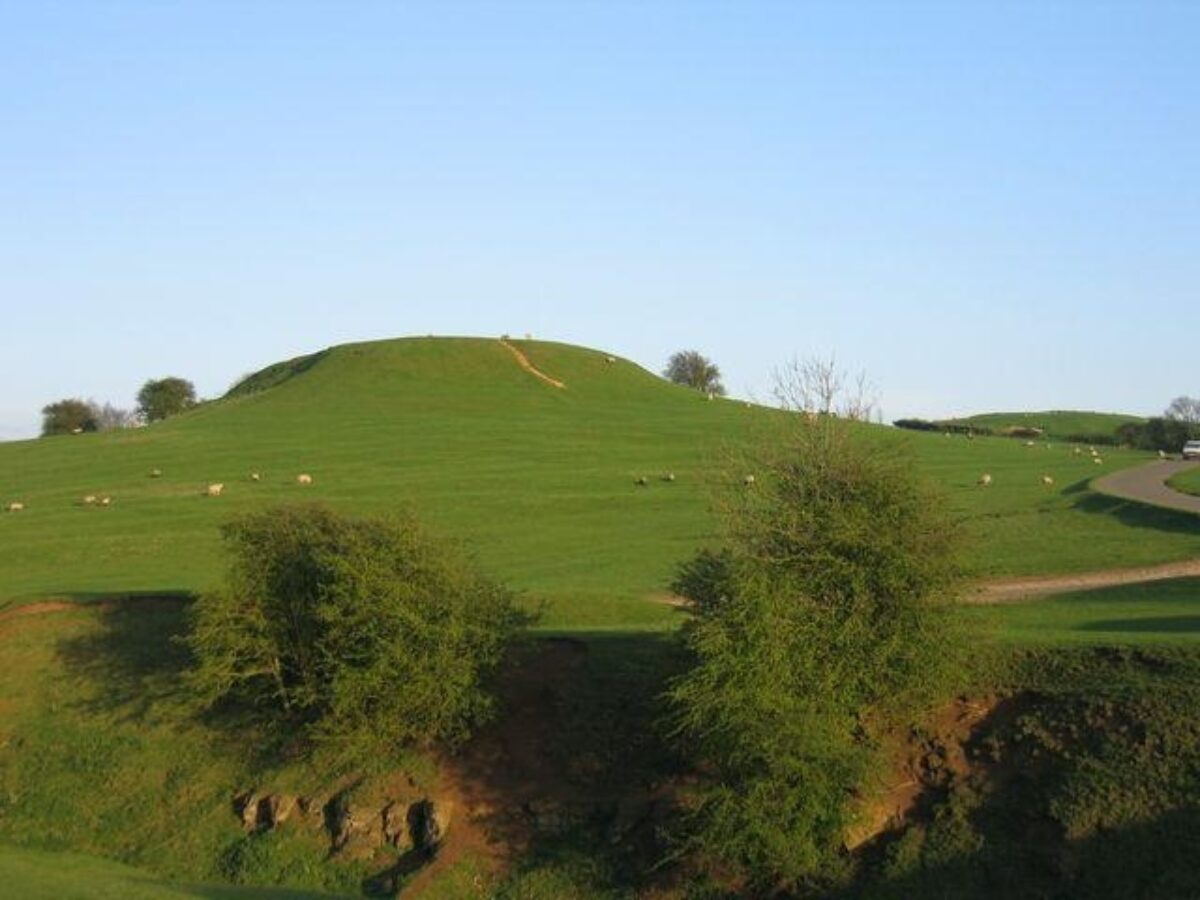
(524, 363)
(1016, 590)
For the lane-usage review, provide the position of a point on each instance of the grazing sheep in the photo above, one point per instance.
(610, 359)
(984, 480)
(156, 473)
(748, 480)
(640, 481)
(15, 506)
(106, 501)
(1029, 443)
(303, 478)
(1097, 460)
(1077, 451)
(89, 500)
(1047, 480)
(76, 431)
(254, 476)
(670, 476)
(748, 404)
(711, 395)
(214, 490)
(1162, 454)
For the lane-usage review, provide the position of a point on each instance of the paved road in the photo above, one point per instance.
(1146, 485)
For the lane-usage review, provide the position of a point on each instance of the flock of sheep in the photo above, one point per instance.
(213, 490)
(985, 479)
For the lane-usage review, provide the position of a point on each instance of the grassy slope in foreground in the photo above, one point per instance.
(1055, 423)
(540, 481)
(40, 875)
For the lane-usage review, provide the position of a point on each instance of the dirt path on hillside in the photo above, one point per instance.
(524, 363)
(1148, 484)
(1014, 590)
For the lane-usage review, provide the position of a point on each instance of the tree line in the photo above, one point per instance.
(159, 398)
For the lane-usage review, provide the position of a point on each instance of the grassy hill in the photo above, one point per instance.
(539, 481)
(1056, 423)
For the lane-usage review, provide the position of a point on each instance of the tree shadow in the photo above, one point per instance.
(135, 658)
(1148, 625)
(575, 764)
(1140, 515)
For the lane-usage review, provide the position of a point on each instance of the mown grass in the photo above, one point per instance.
(1188, 482)
(538, 481)
(1151, 613)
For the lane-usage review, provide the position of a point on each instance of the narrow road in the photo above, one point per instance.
(1146, 484)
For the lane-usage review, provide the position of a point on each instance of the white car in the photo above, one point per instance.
(1191, 450)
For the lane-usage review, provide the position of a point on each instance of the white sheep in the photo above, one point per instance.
(15, 506)
(610, 359)
(106, 501)
(1162, 454)
(214, 490)
(748, 480)
(89, 500)
(670, 476)
(640, 481)
(1047, 480)
(254, 476)
(1029, 443)
(1077, 451)
(156, 473)
(984, 480)
(304, 478)
(1097, 460)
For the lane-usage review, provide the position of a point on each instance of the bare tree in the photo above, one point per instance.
(1184, 409)
(818, 385)
(110, 418)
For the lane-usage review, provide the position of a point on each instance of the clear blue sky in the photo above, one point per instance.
(986, 206)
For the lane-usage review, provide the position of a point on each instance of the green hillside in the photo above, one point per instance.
(1056, 423)
(539, 480)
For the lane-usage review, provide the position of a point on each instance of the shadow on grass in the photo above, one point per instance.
(575, 777)
(134, 659)
(1140, 515)
(1155, 624)
(1151, 860)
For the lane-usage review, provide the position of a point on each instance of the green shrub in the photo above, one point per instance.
(835, 626)
(69, 416)
(163, 397)
(361, 634)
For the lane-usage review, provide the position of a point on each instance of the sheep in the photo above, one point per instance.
(610, 359)
(748, 480)
(1047, 480)
(984, 480)
(1162, 454)
(156, 473)
(76, 431)
(15, 506)
(640, 481)
(670, 476)
(711, 395)
(304, 478)
(1029, 443)
(1097, 460)
(106, 501)
(254, 476)
(214, 490)
(1076, 450)
(89, 500)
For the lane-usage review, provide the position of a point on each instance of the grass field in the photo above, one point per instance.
(1160, 612)
(539, 481)
(1057, 424)
(100, 755)
(1188, 482)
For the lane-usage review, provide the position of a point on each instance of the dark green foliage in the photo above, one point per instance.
(836, 566)
(69, 416)
(274, 375)
(706, 579)
(1159, 434)
(1087, 786)
(695, 370)
(362, 634)
(163, 397)
(948, 427)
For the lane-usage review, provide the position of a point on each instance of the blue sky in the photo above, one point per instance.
(985, 206)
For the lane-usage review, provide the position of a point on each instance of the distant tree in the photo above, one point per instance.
(693, 369)
(163, 397)
(817, 385)
(69, 416)
(1184, 409)
(110, 418)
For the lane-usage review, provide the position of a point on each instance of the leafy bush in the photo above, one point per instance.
(69, 416)
(163, 397)
(835, 567)
(1159, 434)
(360, 634)
(695, 370)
